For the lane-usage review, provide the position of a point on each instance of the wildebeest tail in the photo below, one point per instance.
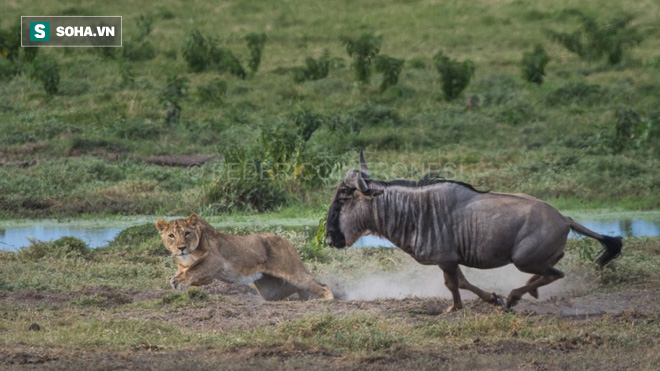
(612, 245)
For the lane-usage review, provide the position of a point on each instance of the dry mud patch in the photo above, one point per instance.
(237, 308)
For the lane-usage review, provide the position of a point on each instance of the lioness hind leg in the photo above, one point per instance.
(274, 288)
(308, 283)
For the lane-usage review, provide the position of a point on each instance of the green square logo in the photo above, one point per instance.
(39, 31)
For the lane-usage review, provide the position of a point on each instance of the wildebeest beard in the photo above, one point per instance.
(337, 238)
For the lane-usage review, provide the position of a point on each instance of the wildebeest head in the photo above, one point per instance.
(350, 207)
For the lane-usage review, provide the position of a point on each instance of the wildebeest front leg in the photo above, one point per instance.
(451, 281)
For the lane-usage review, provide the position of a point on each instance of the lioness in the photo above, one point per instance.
(267, 260)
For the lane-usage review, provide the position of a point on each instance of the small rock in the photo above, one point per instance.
(34, 327)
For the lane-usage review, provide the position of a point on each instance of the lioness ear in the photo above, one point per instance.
(161, 224)
(192, 219)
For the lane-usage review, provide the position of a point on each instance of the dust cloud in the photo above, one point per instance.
(416, 280)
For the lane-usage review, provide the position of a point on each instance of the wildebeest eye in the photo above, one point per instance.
(346, 194)
(187, 234)
(171, 235)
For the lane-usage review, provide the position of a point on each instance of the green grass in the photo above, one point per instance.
(117, 299)
(554, 141)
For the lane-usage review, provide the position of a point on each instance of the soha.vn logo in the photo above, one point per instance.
(39, 31)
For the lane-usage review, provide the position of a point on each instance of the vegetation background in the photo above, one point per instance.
(262, 106)
(269, 90)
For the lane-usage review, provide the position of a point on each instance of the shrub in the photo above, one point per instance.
(47, 71)
(10, 43)
(202, 53)
(60, 248)
(139, 48)
(171, 95)
(363, 50)
(594, 40)
(144, 25)
(390, 68)
(455, 75)
(533, 64)
(255, 43)
(7, 69)
(135, 235)
(195, 51)
(213, 92)
(245, 189)
(225, 61)
(307, 123)
(314, 69)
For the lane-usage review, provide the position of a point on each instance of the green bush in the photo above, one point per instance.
(47, 71)
(171, 95)
(390, 68)
(201, 54)
(7, 69)
(245, 189)
(65, 247)
(634, 131)
(314, 69)
(594, 40)
(225, 61)
(10, 43)
(213, 92)
(455, 75)
(255, 44)
(533, 64)
(135, 235)
(363, 50)
(196, 51)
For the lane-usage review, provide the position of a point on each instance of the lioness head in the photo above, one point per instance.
(180, 236)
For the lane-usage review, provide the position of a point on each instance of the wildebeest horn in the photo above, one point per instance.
(363, 164)
(355, 179)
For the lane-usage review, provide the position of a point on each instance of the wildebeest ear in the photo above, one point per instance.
(192, 219)
(363, 164)
(161, 224)
(374, 192)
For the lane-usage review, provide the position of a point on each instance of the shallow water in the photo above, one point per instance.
(98, 233)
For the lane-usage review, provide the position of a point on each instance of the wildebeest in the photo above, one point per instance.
(449, 223)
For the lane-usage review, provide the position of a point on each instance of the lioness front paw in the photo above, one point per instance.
(176, 283)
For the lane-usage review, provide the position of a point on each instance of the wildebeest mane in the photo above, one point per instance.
(426, 180)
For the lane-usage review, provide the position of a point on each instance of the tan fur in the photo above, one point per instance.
(269, 261)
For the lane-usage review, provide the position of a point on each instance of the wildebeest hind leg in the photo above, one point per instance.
(534, 292)
(465, 285)
(550, 275)
(451, 281)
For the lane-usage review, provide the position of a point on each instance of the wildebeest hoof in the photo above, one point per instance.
(502, 302)
(453, 308)
(534, 293)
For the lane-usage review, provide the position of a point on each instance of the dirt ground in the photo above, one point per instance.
(241, 308)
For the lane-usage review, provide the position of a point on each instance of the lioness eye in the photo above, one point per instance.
(186, 234)
(171, 235)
